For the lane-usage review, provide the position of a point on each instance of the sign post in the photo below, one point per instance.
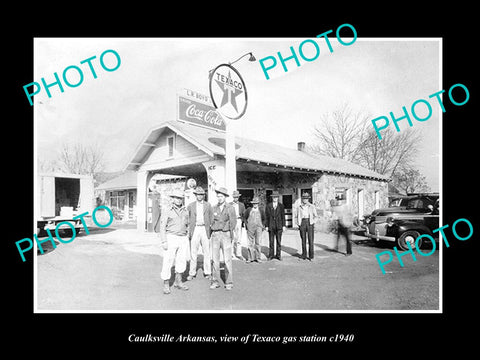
(229, 96)
(230, 158)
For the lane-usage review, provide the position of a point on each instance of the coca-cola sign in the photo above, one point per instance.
(199, 113)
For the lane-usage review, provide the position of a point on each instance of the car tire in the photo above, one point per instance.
(69, 232)
(409, 236)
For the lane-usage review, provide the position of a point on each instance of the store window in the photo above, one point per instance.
(340, 193)
(117, 199)
(308, 191)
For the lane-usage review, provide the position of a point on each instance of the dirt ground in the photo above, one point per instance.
(118, 269)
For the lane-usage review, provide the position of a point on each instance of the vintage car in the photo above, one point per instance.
(403, 225)
(401, 201)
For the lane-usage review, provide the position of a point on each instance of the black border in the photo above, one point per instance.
(92, 333)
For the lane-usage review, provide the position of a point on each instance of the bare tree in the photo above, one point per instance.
(338, 134)
(346, 134)
(81, 159)
(410, 180)
(395, 150)
(47, 166)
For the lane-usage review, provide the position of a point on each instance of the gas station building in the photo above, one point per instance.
(196, 156)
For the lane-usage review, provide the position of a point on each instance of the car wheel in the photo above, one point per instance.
(69, 232)
(410, 237)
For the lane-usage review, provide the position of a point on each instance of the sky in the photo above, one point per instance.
(117, 109)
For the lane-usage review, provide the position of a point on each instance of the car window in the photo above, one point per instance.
(419, 203)
(395, 202)
(416, 204)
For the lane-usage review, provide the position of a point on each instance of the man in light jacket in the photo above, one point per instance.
(305, 218)
(200, 216)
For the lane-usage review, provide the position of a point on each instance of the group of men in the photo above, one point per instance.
(184, 229)
(217, 229)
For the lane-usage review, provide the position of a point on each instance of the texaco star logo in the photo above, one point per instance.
(228, 92)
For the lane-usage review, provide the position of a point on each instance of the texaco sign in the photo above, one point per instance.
(228, 91)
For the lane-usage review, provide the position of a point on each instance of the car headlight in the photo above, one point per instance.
(390, 221)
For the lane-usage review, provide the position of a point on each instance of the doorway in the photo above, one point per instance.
(67, 193)
(305, 190)
(360, 202)
(246, 197)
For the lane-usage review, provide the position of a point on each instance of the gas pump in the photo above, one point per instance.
(153, 207)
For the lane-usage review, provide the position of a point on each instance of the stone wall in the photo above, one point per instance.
(325, 187)
(286, 183)
(329, 186)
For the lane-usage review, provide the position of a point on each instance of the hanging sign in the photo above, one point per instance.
(228, 91)
(199, 113)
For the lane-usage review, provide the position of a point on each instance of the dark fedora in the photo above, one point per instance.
(222, 190)
(199, 191)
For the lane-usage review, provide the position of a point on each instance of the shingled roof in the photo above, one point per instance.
(212, 142)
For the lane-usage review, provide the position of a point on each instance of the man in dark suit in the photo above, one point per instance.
(275, 219)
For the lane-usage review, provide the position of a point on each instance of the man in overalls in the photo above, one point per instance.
(255, 223)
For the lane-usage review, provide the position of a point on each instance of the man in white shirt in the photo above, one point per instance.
(200, 216)
(306, 216)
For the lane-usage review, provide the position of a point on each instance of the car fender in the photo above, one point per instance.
(412, 225)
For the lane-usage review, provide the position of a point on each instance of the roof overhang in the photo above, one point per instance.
(249, 152)
(148, 143)
(256, 165)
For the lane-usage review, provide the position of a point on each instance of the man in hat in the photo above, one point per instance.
(200, 216)
(255, 223)
(275, 221)
(239, 211)
(305, 217)
(223, 225)
(174, 239)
